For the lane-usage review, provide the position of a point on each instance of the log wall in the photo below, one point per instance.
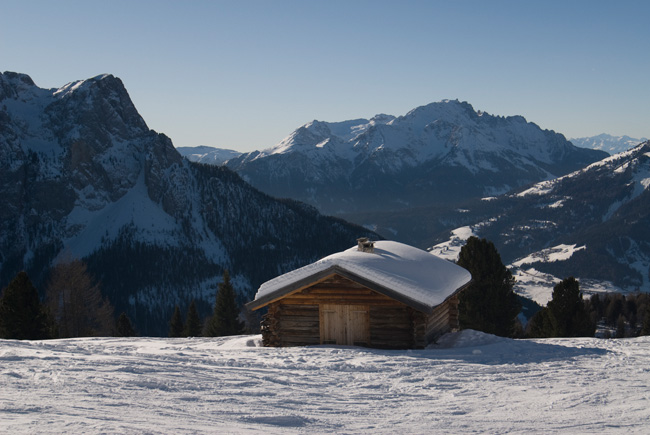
(297, 319)
(443, 319)
(291, 325)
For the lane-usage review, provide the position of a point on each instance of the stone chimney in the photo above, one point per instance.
(365, 245)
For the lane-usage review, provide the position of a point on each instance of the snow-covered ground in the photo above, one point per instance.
(471, 382)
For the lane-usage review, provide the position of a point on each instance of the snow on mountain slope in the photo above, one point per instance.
(529, 282)
(593, 224)
(606, 142)
(134, 208)
(441, 151)
(208, 155)
(470, 383)
(426, 133)
(82, 175)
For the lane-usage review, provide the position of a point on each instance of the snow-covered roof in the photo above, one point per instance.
(394, 269)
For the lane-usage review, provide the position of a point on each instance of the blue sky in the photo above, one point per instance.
(244, 74)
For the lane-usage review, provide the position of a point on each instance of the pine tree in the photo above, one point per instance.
(489, 304)
(22, 316)
(565, 315)
(645, 330)
(76, 302)
(176, 324)
(614, 309)
(224, 320)
(540, 325)
(192, 322)
(567, 312)
(620, 327)
(124, 326)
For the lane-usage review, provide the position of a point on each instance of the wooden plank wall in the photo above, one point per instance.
(339, 290)
(443, 319)
(397, 328)
(390, 328)
(291, 325)
(295, 319)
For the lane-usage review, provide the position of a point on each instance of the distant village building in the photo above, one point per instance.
(380, 294)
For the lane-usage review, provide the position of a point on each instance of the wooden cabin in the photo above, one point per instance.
(379, 294)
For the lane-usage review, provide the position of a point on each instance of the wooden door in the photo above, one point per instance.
(347, 325)
(332, 325)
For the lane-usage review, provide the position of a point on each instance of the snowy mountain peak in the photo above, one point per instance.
(317, 134)
(382, 118)
(207, 154)
(450, 110)
(431, 152)
(12, 83)
(84, 85)
(80, 172)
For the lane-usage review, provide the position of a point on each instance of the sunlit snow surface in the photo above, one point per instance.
(472, 382)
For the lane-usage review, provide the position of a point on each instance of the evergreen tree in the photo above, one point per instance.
(540, 325)
(596, 306)
(224, 320)
(124, 326)
(192, 322)
(567, 312)
(22, 316)
(489, 303)
(176, 323)
(620, 327)
(76, 302)
(645, 330)
(614, 309)
(565, 315)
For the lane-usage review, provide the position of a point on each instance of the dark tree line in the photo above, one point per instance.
(224, 320)
(569, 315)
(628, 315)
(490, 305)
(73, 307)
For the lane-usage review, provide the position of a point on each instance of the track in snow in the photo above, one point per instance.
(472, 382)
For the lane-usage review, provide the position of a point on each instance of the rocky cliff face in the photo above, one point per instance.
(82, 174)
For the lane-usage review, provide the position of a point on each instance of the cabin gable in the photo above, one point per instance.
(324, 275)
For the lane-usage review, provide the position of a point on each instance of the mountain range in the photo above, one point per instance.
(442, 152)
(207, 154)
(81, 175)
(606, 142)
(591, 208)
(593, 223)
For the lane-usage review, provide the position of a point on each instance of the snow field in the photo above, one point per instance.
(470, 382)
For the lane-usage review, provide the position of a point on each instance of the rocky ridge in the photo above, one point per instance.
(82, 175)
